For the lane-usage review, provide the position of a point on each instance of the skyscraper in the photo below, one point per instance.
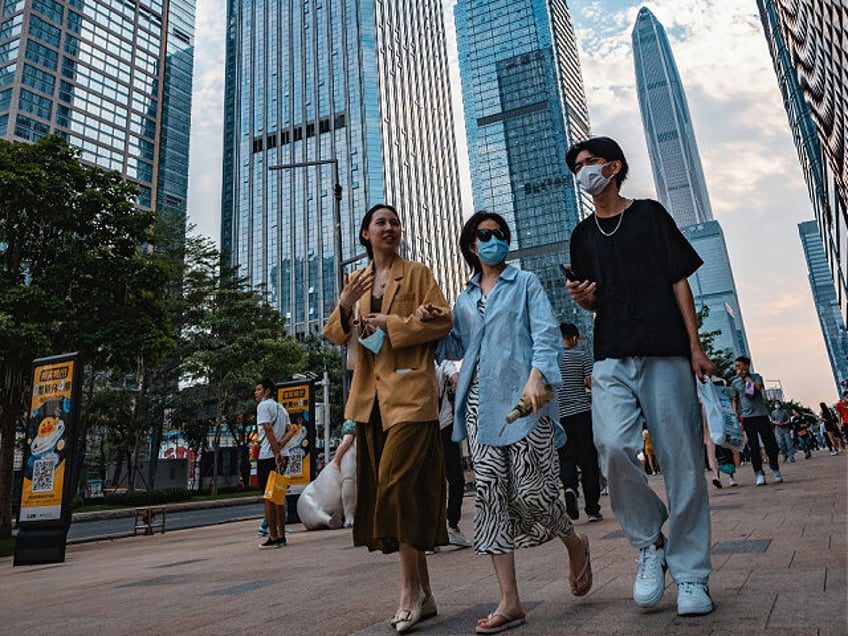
(827, 305)
(713, 286)
(679, 179)
(363, 83)
(113, 78)
(676, 164)
(807, 41)
(524, 103)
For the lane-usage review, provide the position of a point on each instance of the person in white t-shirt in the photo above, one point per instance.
(274, 430)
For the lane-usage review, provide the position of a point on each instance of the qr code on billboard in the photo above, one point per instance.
(42, 475)
(295, 467)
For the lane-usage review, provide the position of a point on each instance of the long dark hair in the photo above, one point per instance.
(469, 235)
(366, 221)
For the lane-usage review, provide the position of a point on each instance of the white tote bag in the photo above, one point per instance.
(724, 427)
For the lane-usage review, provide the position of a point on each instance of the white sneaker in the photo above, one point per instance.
(732, 481)
(649, 586)
(455, 537)
(693, 599)
(761, 479)
(778, 478)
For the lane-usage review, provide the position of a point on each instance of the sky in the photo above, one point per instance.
(751, 167)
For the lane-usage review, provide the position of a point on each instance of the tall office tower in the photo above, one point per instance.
(827, 304)
(361, 83)
(679, 179)
(807, 41)
(713, 285)
(113, 78)
(676, 164)
(522, 90)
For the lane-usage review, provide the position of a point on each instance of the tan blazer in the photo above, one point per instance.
(402, 376)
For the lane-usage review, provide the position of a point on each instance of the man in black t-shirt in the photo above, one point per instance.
(629, 265)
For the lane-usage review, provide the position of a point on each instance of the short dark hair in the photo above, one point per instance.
(602, 147)
(744, 360)
(267, 383)
(366, 221)
(568, 330)
(469, 235)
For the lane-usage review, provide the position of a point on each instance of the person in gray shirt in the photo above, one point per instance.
(783, 432)
(746, 396)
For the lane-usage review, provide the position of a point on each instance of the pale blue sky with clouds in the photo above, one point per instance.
(752, 171)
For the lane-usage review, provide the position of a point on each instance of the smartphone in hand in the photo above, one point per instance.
(569, 274)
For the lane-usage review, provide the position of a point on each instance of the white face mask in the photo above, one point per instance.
(592, 180)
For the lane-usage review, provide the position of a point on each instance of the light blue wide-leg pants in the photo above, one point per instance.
(627, 392)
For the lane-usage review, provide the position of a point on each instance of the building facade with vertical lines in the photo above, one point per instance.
(114, 78)
(524, 102)
(679, 180)
(808, 42)
(364, 83)
(826, 302)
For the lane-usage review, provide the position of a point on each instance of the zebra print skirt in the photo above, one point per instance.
(517, 503)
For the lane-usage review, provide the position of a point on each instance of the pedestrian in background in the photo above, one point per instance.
(575, 416)
(505, 332)
(780, 419)
(273, 430)
(746, 396)
(629, 265)
(446, 377)
(400, 478)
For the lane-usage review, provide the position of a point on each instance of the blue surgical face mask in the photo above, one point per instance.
(493, 251)
(374, 342)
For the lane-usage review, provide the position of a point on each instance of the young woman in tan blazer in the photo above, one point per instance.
(394, 401)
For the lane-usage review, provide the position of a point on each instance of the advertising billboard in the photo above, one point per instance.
(298, 398)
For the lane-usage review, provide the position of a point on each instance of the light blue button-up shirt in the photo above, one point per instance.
(518, 332)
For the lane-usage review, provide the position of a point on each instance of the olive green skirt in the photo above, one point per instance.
(400, 485)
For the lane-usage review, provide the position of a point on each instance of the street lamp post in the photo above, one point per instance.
(337, 250)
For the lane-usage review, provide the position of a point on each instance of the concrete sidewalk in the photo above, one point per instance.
(779, 558)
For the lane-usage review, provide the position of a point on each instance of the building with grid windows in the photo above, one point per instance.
(113, 78)
(362, 83)
(524, 103)
(809, 48)
(826, 302)
(679, 179)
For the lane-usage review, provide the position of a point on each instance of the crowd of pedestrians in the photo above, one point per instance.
(428, 377)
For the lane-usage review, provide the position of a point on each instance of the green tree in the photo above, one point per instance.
(722, 358)
(237, 338)
(73, 277)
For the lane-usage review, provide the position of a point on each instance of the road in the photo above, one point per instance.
(82, 531)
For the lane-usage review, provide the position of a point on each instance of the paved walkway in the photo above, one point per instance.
(779, 554)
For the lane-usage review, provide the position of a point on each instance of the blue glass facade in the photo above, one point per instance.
(676, 164)
(524, 103)
(827, 304)
(713, 285)
(114, 78)
(363, 83)
(808, 47)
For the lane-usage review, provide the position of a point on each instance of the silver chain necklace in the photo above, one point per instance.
(617, 225)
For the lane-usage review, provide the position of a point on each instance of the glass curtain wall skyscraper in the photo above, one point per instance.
(522, 91)
(679, 179)
(826, 302)
(113, 78)
(364, 83)
(809, 47)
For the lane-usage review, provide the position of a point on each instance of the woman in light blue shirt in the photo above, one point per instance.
(505, 331)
